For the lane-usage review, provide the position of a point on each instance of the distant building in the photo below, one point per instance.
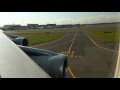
(76, 25)
(12, 27)
(33, 26)
(66, 26)
(24, 27)
(58, 26)
(36, 26)
(51, 25)
(42, 26)
(7, 26)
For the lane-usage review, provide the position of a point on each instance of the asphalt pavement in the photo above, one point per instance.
(85, 59)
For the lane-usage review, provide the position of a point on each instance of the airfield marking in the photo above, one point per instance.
(58, 44)
(67, 55)
(54, 40)
(76, 56)
(71, 54)
(98, 45)
(117, 71)
(71, 72)
(72, 42)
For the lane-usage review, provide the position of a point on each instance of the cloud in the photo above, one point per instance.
(64, 21)
(90, 20)
(99, 19)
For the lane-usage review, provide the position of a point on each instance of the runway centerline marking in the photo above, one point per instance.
(72, 42)
(67, 55)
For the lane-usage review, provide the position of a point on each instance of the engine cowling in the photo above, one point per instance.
(18, 40)
(54, 64)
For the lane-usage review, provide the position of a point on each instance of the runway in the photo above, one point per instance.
(85, 58)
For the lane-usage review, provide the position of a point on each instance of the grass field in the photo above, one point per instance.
(105, 36)
(104, 33)
(38, 37)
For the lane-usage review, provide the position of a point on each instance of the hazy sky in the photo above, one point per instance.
(25, 18)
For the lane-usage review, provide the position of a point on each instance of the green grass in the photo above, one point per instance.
(40, 37)
(100, 35)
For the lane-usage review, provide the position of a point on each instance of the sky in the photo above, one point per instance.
(41, 18)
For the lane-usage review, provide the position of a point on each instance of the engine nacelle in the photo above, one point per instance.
(54, 64)
(18, 40)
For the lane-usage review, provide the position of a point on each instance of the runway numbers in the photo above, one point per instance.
(65, 53)
(70, 54)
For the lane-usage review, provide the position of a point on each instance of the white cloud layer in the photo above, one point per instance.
(6, 18)
(90, 20)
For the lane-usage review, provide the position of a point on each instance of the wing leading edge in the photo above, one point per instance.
(14, 63)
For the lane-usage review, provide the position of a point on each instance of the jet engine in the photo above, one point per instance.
(55, 64)
(18, 39)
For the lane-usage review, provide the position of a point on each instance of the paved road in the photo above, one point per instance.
(85, 59)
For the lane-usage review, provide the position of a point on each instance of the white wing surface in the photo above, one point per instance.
(14, 63)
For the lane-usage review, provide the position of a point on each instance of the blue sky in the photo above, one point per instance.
(25, 18)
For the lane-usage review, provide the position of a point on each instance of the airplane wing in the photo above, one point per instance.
(16, 63)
